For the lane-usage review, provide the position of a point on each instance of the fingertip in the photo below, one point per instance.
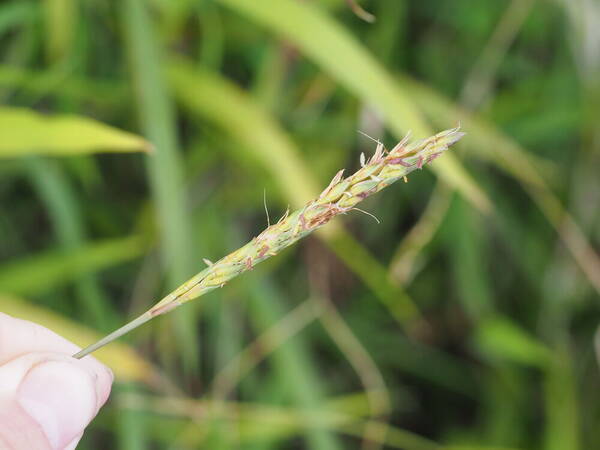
(103, 377)
(61, 397)
(104, 385)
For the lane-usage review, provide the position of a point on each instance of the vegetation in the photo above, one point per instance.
(138, 138)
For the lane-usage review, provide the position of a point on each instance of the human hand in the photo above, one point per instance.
(47, 398)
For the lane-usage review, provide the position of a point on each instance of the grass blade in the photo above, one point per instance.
(26, 132)
(61, 203)
(34, 275)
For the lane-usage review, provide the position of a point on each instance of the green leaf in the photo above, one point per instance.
(319, 37)
(42, 272)
(501, 338)
(26, 132)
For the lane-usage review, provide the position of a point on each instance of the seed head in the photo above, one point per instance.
(339, 197)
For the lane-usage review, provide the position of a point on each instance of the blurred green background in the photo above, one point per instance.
(465, 320)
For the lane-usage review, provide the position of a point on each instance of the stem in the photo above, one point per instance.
(115, 335)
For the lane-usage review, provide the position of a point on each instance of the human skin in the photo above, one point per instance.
(47, 398)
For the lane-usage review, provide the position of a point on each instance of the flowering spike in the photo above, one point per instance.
(341, 196)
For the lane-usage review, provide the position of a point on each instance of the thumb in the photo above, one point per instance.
(56, 393)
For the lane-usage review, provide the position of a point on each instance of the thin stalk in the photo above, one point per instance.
(114, 335)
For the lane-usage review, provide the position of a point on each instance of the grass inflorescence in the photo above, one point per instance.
(339, 197)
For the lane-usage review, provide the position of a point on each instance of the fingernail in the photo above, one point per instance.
(61, 398)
